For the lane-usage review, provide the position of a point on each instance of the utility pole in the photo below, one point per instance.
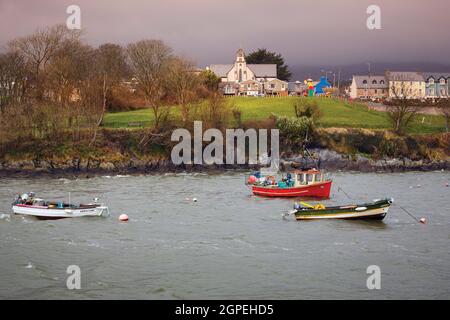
(339, 81)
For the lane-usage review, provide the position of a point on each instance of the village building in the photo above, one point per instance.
(437, 85)
(297, 88)
(369, 87)
(241, 78)
(251, 88)
(276, 87)
(409, 85)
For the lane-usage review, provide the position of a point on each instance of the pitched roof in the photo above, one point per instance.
(260, 70)
(277, 80)
(370, 82)
(435, 75)
(264, 70)
(404, 76)
(221, 70)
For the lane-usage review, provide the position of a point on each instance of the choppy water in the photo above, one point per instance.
(229, 244)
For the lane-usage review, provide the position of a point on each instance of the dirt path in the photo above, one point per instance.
(423, 110)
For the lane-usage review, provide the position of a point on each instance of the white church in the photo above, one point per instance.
(241, 78)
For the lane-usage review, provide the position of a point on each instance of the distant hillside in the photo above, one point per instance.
(303, 72)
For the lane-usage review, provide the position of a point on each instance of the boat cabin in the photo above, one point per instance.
(308, 177)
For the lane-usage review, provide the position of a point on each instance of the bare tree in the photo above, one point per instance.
(111, 66)
(71, 69)
(184, 84)
(217, 112)
(403, 107)
(40, 47)
(13, 79)
(149, 62)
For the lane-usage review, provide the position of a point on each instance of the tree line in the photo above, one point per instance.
(52, 82)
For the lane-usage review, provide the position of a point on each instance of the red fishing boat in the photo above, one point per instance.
(297, 183)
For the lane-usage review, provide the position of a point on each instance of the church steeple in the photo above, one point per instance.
(240, 56)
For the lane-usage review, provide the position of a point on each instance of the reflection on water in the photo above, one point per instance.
(228, 244)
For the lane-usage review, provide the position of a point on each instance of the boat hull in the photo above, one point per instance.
(373, 211)
(56, 213)
(319, 190)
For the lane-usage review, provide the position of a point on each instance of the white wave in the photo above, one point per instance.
(4, 216)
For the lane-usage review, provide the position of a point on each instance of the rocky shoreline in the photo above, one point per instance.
(326, 159)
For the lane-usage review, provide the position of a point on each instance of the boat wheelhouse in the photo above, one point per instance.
(297, 183)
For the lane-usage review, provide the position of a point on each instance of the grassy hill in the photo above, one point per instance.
(335, 113)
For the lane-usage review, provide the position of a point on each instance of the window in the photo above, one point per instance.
(364, 81)
(272, 85)
(442, 81)
(309, 177)
(382, 82)
(374, 82)
(301, 178)
(376, 91)
(317, 177)
(431, 80)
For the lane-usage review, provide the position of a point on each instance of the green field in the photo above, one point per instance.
(335, 113)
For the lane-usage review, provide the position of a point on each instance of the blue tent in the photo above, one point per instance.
(323, 83)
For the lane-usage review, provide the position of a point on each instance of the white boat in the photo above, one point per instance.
(28, 204)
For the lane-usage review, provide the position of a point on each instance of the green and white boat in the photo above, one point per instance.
(375, 210)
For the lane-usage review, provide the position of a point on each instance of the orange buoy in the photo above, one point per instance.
(423, 220)
(123, 217)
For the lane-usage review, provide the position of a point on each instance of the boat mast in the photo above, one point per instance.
(307, 153)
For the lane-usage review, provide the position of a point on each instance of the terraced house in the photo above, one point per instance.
(409, 85)
(241, 78)
(369, 87)
(437, 85)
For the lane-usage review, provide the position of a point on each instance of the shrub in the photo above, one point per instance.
(294, 132)
(307, 108)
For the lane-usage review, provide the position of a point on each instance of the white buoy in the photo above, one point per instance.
(194, 199)
(423, 220)
(123, 217)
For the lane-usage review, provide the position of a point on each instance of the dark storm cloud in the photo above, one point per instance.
(306, 32)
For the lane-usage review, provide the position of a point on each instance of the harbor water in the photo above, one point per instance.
(228, 244)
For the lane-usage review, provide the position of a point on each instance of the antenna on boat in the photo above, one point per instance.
(69, 199)
(306, 151)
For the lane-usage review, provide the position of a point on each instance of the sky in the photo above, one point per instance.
(305, 32)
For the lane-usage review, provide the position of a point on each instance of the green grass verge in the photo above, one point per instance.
(335, 113)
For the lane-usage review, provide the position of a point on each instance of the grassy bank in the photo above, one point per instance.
(335, 113)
